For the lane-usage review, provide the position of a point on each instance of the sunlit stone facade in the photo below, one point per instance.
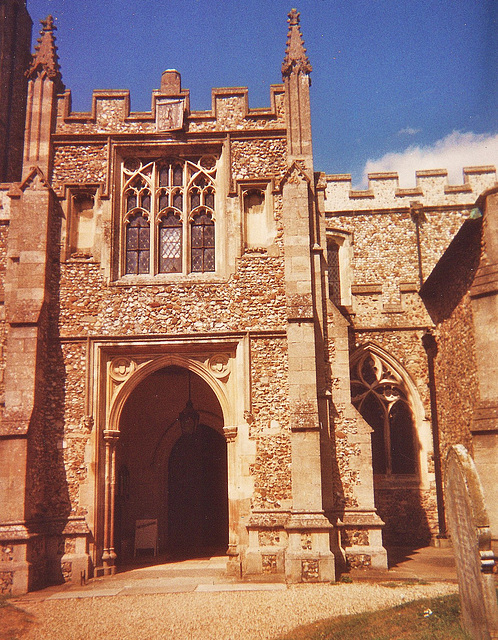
(208, 347)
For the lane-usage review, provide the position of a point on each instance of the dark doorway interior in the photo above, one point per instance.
(177, 480)
(197, 494)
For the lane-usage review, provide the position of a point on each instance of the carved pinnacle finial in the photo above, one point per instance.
(293, 17)
(295, 53)
(45, 58)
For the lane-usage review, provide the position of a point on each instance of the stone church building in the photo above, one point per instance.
(207, 346)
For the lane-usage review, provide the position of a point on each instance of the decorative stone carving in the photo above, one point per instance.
(121, 367)
(230, 433)
(295, 53)
(219, 365)
(269, 520)
(6, 553)
(300, 306)
(87, 423)
(269, 563)
(358, 561)
(354, 537)
(269, 538)
(169, 114)
(248, 417)
(304, 416)
(310, 570)
(6, 581)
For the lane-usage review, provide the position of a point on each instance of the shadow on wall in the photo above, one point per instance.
(383, 396)
(47, 503)
(453, 275)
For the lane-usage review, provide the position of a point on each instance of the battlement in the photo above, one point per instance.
(432, 189)
(111, 113)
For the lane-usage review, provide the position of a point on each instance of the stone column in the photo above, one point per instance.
(233, 565)
(109, 554)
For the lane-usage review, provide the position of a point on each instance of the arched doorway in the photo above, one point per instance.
(176, 479)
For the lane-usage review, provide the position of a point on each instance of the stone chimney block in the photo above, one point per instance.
(171, 82)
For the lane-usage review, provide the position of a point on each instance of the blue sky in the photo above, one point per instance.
(392, 81)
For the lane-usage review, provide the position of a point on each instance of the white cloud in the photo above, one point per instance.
(408, 131)
(455, 151)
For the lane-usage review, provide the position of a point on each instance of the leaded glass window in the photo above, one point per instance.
(334, 269)
(169, 215)
(380, 395)
(202, 242)
(137, 245)
(170, 244)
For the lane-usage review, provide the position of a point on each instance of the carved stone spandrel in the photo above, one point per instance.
(120, 368)
(219, 365)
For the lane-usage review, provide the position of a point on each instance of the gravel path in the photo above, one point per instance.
(255, 615)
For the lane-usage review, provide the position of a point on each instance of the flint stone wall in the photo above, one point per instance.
(270, 423)
(111, 114)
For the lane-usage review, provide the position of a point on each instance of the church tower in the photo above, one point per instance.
(15, 45)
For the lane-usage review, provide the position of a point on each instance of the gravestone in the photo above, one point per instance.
(471, 535)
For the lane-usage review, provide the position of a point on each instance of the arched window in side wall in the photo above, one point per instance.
(380, 395)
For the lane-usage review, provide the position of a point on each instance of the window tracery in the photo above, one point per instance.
(169, 215)
(380, 395)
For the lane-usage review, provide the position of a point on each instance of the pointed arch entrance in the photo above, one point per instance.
(177, 479)
(388, 400)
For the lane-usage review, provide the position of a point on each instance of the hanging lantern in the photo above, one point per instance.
(189, 417)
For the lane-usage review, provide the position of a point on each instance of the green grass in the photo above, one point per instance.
(405, 622)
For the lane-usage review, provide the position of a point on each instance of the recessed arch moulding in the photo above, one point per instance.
(421, 422)
(119, 368)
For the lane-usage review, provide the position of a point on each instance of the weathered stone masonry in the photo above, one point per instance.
(185, 306)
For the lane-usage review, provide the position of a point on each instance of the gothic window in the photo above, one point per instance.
(380, 395)
(169, 215)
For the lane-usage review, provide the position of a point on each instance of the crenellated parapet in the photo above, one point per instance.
(432, 189)
(170, 111)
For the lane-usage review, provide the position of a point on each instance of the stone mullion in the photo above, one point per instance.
(154, 230)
